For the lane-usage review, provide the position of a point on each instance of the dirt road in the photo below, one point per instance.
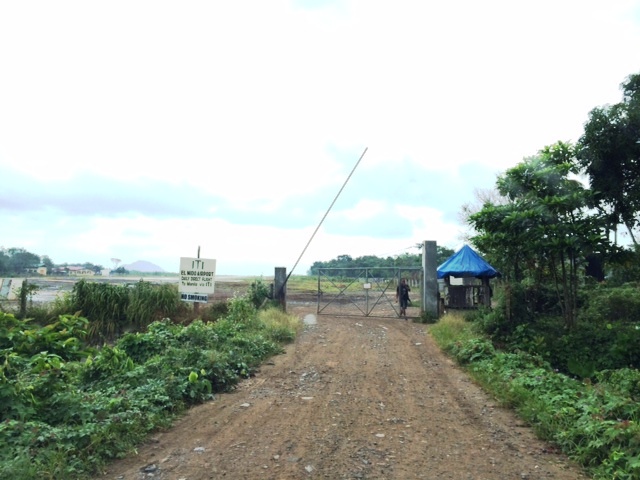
(353, 398)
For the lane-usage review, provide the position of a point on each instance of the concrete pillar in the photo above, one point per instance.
(280, 287)
(430, 279)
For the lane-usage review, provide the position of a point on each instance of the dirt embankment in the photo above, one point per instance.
(353, 398)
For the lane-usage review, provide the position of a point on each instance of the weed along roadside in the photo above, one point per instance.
(78, 390)
(350, 398)
(247, 391)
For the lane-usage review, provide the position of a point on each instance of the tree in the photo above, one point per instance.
(344, 259)
(546, 230)
(19, 260)
(609, 151)
(4, 261)
(371, 261)
(47, 262)
(92, 267)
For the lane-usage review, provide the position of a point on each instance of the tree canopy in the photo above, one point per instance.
(546, 230)
(609, 153)
(14, 261)
(372, 261)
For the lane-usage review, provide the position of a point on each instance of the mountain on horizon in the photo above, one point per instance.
(143, 266)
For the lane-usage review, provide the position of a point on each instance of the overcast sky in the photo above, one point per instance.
(140, 130)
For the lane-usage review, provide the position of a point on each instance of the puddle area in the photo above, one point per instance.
(310, 319)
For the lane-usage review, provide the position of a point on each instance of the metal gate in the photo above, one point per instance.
(368, 292)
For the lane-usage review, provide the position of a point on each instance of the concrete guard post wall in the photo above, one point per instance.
(430, 278)
(9, 287)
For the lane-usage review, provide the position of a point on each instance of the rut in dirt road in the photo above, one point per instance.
(353, 398)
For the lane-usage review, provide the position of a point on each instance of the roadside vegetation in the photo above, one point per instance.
(561, 343)
(86, 379)
(105, 366)
(594, 419)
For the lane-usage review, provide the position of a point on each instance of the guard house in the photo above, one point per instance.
(466, 277)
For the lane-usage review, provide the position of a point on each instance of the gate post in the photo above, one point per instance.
(280, 287)
(430, 279)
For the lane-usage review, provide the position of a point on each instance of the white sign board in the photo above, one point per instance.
(194, 297)
(197, 275)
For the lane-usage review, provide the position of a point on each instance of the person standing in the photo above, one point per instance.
(402, 296)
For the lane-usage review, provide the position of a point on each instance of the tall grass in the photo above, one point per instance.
(279, 326)
(104, 304)
(148, 303)
(113, 309)
(452, 328)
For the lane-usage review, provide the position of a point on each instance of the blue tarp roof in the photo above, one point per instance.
(466, 263)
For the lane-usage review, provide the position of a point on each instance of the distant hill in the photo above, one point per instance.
(142, 266)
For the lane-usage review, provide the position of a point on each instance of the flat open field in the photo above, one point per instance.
(50, 287)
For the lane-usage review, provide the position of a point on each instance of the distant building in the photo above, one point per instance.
(74, 270)
(81, 272)
(41, 270)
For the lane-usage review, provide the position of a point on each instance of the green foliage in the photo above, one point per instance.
(278, 325)
(608, 151)
(35, 364)
(451, 329)
(241, 309)
(258, 292)
(15, 261)
(68, 408)
(104, 304)
(625, 268)
(596, 423)
(113, 309)
(605, 336)
(61, 337)
(149, 302)
(26, 292)
(604, 305)
(472, 350)
(546, 230)
(215, 311)
(371, 262)
(428, 317)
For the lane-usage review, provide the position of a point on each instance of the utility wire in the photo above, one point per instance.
(325, 216)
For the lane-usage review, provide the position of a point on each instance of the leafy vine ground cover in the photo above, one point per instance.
(594, 422)
(67, 408)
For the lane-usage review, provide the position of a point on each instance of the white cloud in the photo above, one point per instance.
(255, 113)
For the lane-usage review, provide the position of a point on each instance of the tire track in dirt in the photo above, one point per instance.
(353, 398)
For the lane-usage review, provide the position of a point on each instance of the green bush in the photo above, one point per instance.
(612, 305)
(606, 334)
(596, 423)
(241, 310)
(215, 311)
(68, 408)
(258, 292)
(473, 350)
